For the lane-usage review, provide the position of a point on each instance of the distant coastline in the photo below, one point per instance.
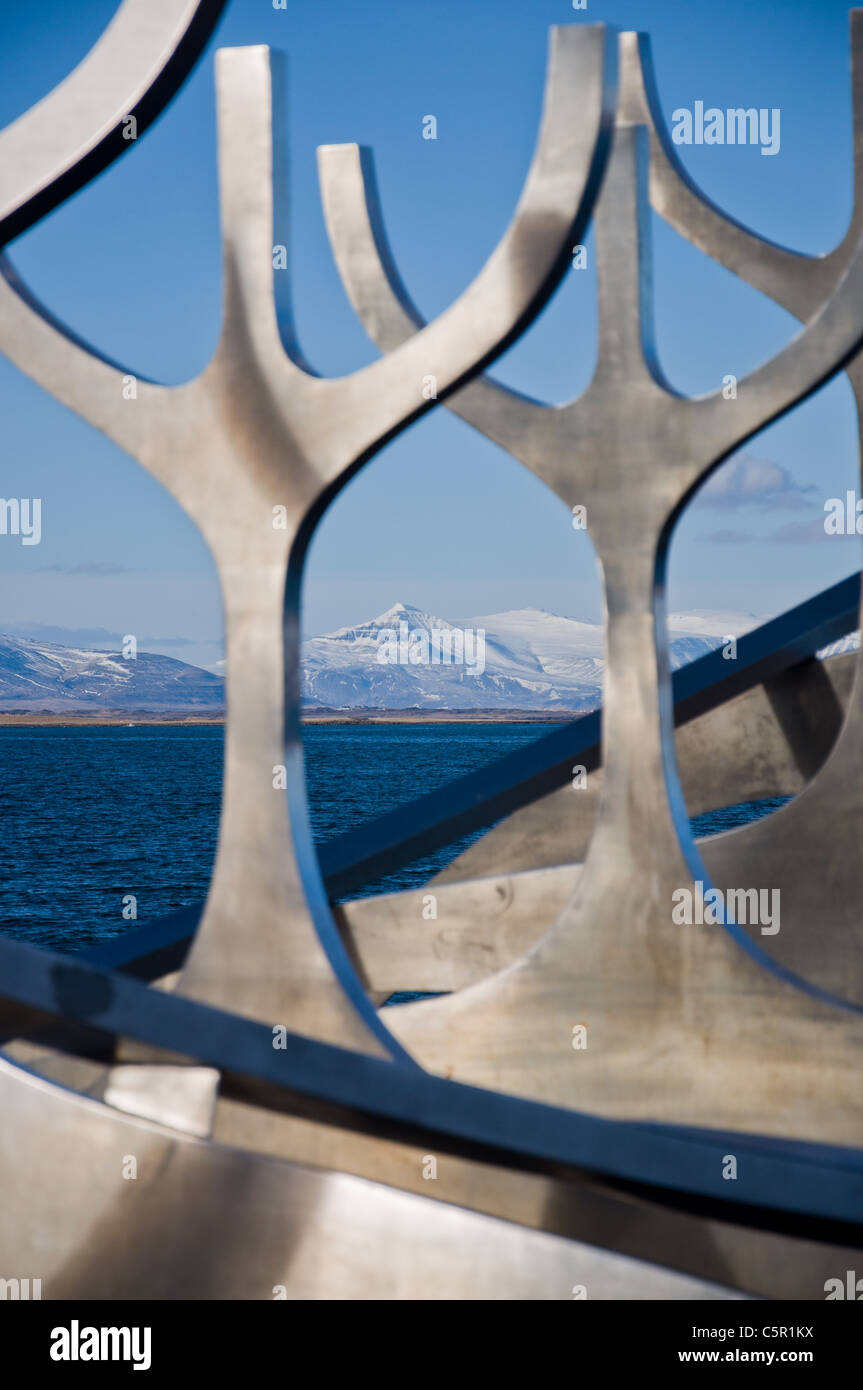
(123, 718)
(525, 666)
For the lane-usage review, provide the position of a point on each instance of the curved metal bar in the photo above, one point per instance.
(346, 174)
(575, 137)
(318, 1234)
(748, 1252)
(77, 130)
(800, 283)
(800, 1180)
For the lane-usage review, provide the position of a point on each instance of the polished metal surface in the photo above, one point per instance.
(660, 1002)
(646, 1191)
(297, 1165)
(115, 1208)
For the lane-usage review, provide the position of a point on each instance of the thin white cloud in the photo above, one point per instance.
(747, 481)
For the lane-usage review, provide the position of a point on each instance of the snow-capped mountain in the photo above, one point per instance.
(345, 669)
(700, 622)
(44, 676)
(849, 643)
(532, 660)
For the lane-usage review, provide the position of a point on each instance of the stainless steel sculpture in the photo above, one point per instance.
(785, 852)
(259, 427)
(798, 851)
(782, 852)
(662, 1005)
(290, 1160)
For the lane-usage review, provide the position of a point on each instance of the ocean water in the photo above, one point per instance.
(90, 815)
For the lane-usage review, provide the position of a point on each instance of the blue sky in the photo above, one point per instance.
(440, 518)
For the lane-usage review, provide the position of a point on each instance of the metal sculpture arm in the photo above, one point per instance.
(377, 293)
(782, 850)
(799, 282)
(342, 420)
(626, 349)
(301, 438)
(79, 128)
(58, 146)
(350, 416)
(526, 265)
(64, 365)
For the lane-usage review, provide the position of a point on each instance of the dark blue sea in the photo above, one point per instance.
(91, 814)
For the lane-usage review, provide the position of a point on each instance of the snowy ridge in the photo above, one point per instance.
(44, 676)
(849, 643)
(534, 660)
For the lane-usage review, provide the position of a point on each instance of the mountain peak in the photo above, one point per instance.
(397, 613)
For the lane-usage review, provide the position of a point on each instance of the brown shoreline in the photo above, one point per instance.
(25, 720)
